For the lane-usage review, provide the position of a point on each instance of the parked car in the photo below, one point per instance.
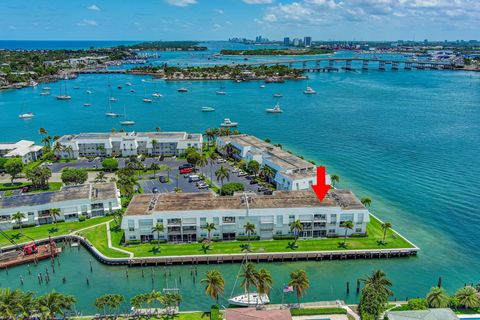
(162, 179)
(155, 190)
(24, 189)
(184, 166)
(262, 188)
(186, 170)
(221, 160)
(253, 182)
(193, 178)
(268, 192)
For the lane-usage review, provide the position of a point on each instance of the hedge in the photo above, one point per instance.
(132, 242)
(158, 241)
(316, 311)
(229, 188)
(246, 238)
(284, 237)
(213, 239)
(214, 313)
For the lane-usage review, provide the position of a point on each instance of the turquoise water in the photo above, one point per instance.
(408, 139)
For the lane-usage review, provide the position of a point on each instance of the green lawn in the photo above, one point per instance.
(52, 186)
(98, 237)
(375, 234)
(41, 232)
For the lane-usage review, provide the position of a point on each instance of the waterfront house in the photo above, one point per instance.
(185, 214)
(88, 200)
(430, 314)
(24, 149)
(125, 144)
(255, 314)
(291, 172)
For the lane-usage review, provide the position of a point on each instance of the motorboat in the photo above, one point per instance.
(46, 88)
(228, 123)
(275, 109)
(156, 95)
(132, 91)
(119, 87)
(27, 115)
(64, 97)
(87, 104)
(127, 123)
(182, 90)
(146, 100)
(208, 109)
(238, 81)
(251, 299)
(278, 95)
(262, 86)
(309, 90)
(128, 84)
(45, 93)
(113, 99)
(221, 93)
(88, 92)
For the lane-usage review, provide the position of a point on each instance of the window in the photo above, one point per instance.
(358, 230)
(203, 221)
(160, 221)
(132, 237)
(360, 218)
(228, 219)
(331, 231)
(319, 216)
(291, 218)
(174, 221)
(279, 221)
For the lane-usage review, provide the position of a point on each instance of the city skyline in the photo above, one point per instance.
(436, 20)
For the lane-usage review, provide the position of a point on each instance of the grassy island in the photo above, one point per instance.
(223, 72)
(276, 52)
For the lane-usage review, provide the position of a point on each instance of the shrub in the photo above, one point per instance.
(245, 238)
(359, 235)
(132, 242)
(284, 237)
(214, 239)
(214, 313)
(26, 225)
(315, 311)
(158, 241)
(110, 164)
(229, 188)
(81, 218)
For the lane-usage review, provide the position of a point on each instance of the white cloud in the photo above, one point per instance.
(181, 3)
(93, 7)
(258, 1)
(87, 22)
(219, 11)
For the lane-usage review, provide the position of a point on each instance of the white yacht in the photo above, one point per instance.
(275, 109)
(249, 300)
(88, 92)
(45, 93)
(87, 104)
(262, 86)
(182, 90)
(126, 122)
(146, 100)
(208, 109)
(309, 90)
(222, 93)
(113, 99)
(112, 114)
(128, 84)
(27, 115)
(46, 88)
(228, 123)
(64, 97)
(156, 95)
(277, 95)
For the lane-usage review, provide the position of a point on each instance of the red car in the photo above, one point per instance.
(24, 189)
(186, 170)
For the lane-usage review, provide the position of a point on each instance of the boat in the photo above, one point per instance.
(27, 115)
(278, 95)
(182, 90)
(126, 122)
(238, 81)
(309, 90)
(119, 87)
(228, 123)
(87, 104)
(249, 299)
(45, 93)
(146, 100)
(262, 86)
(113, 99)
(88, 92)
(128, 84)
(208, 109)
(46, 88)
(65, 95)
(132, 91)
(156, 95)
(222, 93)
(275, 109)
(110, 113)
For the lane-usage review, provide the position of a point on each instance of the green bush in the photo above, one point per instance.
(214, 239)
(284, 237)
(359, 235)
(27, 225)
(214, 313)
(110, 164)
(158, 241)
(82, 218)
(229, 188)
(132, 242)
(315, 311)
(245, 238)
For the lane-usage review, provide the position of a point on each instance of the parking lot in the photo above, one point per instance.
(15, 192)
(96, 163)
(183, 184)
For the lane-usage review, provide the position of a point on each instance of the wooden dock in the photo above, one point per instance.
(14, 258)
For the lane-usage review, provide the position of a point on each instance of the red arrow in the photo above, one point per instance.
(321, 188)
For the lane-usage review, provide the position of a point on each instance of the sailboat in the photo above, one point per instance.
(111, 114)
(64, 96)
(248, 299)
(126, 122)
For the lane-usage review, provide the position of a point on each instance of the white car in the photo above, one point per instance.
(221, 160)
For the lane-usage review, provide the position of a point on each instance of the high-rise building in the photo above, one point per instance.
(297, 42)
(286, 41)
(258, 39)
(307, 41)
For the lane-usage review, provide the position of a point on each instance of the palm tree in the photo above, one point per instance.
(213, 157)
(215, 284)
(379, 280)
(209, 226)
(335, 179)
(249, 276)
(264, 281)
(375, 293)
(267, 173)
(154, 167)
(18, 216)
(157, 129)
(202, 162)
(385, 227)
(57, 147)
(347, 225)
(158, 228)
(154, 145)
(438, 298)
(42, 131)
(366, 201)
(467, 297)
(296, 226)
(100, 177)
(249, 229)
(222, 173)
(55, 212)
(299, 282)
(54, 303)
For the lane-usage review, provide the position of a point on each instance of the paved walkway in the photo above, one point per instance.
(109, 238)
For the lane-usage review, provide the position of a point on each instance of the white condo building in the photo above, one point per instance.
(291, 172)
(123, 144)
(89, 200)
(24, 149)
(184, 214)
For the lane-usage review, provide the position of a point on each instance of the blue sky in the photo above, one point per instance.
(220, 19)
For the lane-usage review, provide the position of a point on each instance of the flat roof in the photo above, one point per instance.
(149, 203)
(98, 191)
(429, 314)
(182, 135)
